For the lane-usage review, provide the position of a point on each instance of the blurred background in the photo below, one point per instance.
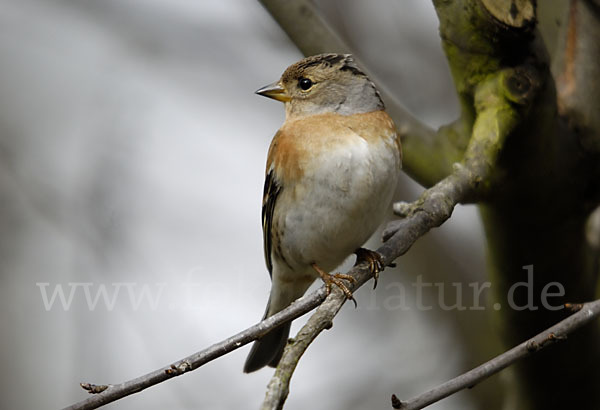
(132, 153)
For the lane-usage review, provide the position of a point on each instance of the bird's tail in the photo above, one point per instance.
(267, 350)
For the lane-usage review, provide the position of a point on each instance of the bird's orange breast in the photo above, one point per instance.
(298, 140)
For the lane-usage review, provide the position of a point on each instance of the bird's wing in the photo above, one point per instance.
(270, 194)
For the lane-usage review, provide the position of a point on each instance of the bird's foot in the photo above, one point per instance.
(336, 279)
(374, 261)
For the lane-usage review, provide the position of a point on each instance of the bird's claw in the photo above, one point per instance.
(336, 279)
(374, 260)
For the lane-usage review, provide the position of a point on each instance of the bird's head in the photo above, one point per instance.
(324, 83)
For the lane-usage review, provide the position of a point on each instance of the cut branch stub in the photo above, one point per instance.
(521, 84)
(501, 101)
(514, 14)
(477, 45)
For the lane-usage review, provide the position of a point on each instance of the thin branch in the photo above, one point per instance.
(109, 393)
(433, 208)
(556, 333)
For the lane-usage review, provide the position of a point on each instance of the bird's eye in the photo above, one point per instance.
(305, 83)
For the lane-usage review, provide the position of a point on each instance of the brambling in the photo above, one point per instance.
(331, 172)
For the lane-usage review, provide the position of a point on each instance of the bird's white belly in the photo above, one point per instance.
(340, 204)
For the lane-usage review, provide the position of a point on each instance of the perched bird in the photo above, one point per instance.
(331, 172)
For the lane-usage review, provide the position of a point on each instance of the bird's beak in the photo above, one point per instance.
(274, 91)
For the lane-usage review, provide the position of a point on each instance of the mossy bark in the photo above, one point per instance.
(542, 185)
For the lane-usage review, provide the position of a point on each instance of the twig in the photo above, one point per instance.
(105, 394)
(556, 333)
(433, 208)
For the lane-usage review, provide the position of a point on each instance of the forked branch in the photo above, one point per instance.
(432, 210)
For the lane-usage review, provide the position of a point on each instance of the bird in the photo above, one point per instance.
(331, 172)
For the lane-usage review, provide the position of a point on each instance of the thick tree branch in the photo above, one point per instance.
(585, 314)
(428, 156)
(526, 220)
